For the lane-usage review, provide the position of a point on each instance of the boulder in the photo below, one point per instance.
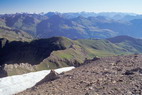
(50, 77)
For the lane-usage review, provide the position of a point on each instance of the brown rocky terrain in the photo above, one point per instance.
(116, 75)
(50, 77)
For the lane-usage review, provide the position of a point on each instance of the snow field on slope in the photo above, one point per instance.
(18, 83)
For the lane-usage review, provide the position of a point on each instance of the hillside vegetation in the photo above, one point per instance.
(20, 57)
(14, 35)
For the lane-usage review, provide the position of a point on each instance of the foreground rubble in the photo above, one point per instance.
(116, 75)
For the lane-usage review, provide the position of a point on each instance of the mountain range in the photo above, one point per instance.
(82, 25)
(33, 42)
(104, 48)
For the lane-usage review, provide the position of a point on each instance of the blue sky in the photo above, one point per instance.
(37, 6)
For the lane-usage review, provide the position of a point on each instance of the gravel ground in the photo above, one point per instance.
(116, 75)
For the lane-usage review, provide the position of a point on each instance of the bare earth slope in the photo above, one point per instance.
(117, 75)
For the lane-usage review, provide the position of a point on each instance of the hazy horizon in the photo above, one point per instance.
(69, 12)
(64, 6)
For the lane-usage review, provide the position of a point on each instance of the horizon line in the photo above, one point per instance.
(71, 12)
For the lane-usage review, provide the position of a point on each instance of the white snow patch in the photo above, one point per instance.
(15, 84)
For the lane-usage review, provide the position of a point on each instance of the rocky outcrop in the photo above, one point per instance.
(3, 73)
(21, 68)
(50, 77)
(133, 71)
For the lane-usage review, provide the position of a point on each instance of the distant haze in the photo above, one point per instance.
(38, 6)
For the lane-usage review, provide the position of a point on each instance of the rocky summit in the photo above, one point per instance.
(116, 75)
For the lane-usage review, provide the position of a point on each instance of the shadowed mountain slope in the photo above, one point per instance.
(30, 52)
